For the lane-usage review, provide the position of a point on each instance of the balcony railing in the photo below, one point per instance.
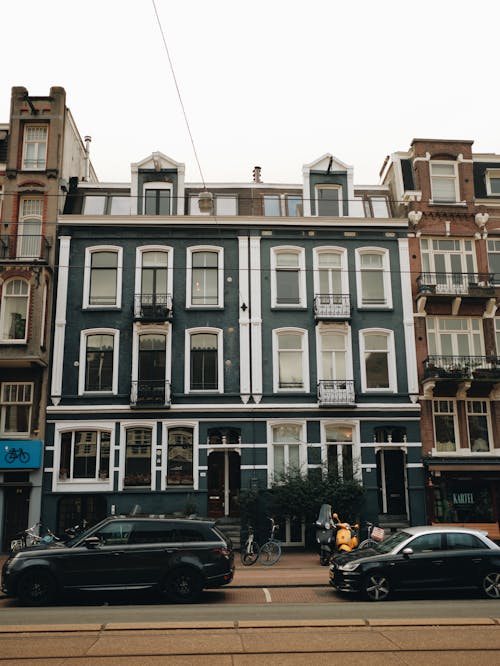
(152, 392)
(336, 392)
(25, 247)
(332, 306)
(462, 367)
(456, 284)
(153, 307)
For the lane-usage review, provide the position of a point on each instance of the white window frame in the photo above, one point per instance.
(143, 249)
(82, 485)
(487, 415)
(153, 185)
(151, 329)
(355, 444)
(301, 276)
(220, 276)
(327, 186)
(83, 352)
(386, 277)
(302, 444)
(497, 334)
(452, 413)
(443, 177)
(166, 426)
(19, 386)
(494, 244)
(41, 147)
(492, 174)
(304, 337)
(187, 364)
(89, 251)
(30, 213)
(323, 329)
(391, 360)
(3, 306)
(344, 275)
(131, 425)
(434, 333)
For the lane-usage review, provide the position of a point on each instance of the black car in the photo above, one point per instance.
(176, 557)
(421, 558)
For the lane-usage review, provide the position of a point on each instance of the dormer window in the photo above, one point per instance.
(329, 200)
(157, 199)
(444, 182)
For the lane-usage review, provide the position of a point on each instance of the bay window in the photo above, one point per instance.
(84, 455)
(138, 446)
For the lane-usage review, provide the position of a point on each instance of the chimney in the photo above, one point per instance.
(256, 175)
(87, 140)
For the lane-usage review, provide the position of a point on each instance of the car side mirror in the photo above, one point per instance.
(407, 551)
(92, 542)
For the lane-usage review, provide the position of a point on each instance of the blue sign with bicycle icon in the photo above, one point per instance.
(20, 454)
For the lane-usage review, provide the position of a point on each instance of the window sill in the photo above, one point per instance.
(456, 204)
(13, 342)
(204, 307)
(289, 307)
(385, 308)
(101, 308)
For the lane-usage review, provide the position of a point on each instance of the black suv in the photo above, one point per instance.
(177, 557)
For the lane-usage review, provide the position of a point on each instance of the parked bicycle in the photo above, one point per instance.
(270, 551)
(375, 535)
(250, 551)
(32, 536)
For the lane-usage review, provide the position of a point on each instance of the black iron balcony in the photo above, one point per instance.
(333, 392)
(25, 248)
(150, 393)
(475, 285)
(153, 307)
(332, 306)
(462, 367)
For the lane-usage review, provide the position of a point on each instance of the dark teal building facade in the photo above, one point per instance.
(200, 354)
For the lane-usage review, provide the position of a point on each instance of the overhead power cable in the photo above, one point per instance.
(178, 91)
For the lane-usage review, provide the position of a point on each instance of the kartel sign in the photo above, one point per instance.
(20, 454)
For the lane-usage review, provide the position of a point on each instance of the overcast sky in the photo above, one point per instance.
(274, 83)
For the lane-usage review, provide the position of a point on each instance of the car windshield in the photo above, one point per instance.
(388, 545)
(80, 536)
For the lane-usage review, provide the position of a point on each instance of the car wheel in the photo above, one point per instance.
(376, 587)
(184, 586)
(36, 588)
(491, 585)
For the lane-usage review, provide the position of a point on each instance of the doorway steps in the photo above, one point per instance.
(392, 523)
(231, 527)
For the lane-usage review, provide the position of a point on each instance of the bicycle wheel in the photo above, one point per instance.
(270, 553)
(367, 543)
(24, 457)
(249, 554)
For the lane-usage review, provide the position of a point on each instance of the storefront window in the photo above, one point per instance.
(463, 502)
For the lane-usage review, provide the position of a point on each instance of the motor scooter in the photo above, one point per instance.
(325, 534)
(346, 536)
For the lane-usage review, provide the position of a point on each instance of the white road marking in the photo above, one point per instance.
(267, 594)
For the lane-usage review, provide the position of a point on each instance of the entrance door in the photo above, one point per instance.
(223, 480)
(391, 478)
(16, 508)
